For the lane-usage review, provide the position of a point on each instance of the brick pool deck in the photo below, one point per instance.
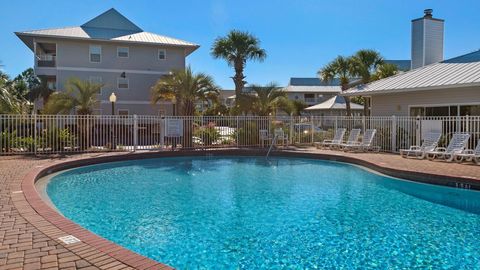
(29, 228)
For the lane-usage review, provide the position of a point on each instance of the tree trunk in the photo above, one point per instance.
(347, 100)
(238, 79)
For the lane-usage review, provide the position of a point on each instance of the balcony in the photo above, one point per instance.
(45, 54)
(46, 60)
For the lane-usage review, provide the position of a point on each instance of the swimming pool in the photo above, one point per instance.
(250, 213)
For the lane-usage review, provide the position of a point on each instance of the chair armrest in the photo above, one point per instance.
(468, 151)
(440, 149)
(415, 147)
(327, 141)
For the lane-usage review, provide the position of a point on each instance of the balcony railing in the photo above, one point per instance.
(46, 60)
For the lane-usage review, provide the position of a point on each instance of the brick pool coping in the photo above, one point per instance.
(36, 211)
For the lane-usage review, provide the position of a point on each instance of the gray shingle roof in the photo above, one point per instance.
(109, 26)
(461, 71)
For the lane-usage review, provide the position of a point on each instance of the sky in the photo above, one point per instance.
(300, 36)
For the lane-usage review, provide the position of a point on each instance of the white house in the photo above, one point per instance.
(447, 88)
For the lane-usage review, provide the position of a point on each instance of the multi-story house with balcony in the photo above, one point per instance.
(113, 51)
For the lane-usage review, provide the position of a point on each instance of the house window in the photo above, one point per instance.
(96, 80)
(470, 110)
(122, 52)
(162, 54)
(95, 53)
(448, 110)
(123, 112)
(122, 83)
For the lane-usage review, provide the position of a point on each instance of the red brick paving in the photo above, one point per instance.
(29, 235)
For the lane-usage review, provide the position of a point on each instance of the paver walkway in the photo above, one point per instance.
(28, 241)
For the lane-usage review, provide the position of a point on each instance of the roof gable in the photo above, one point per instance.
(112, 19)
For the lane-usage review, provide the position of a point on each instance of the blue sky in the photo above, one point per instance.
(299, 36)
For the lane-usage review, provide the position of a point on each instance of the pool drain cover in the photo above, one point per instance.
(69, 239)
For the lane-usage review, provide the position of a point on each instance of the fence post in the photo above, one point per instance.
(336, 123)
(135, 132)
(35, 134)
(313, 129)
(238, 143)
(418, 131)
(363, 123)
(291, 129)
(394, 133)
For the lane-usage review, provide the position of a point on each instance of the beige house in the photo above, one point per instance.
(447, 88)
(111, 50)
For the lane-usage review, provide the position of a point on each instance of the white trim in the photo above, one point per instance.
(113, 70)
(128, 52)
(164, 53)
(128, 83)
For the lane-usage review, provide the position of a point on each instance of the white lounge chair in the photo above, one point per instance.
(336, 141)
(456, 146)
(366, 143)
(352, 138)
(469, 155)
(429, 143)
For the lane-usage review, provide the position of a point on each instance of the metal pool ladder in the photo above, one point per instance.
(274, 140)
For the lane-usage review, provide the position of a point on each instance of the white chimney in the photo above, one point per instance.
(427, 40)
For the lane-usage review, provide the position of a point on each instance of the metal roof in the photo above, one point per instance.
(461, 71)
(312, 89)
(313, 82)
(109, 26)
(334, 103)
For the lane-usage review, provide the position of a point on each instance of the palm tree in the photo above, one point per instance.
(40, 91)
(186, 88)
(9, 103)
(292, 107)
(343, 69)
(79, 95)
(236, 48)
(267, 99)
(365, 64)
(385, 70)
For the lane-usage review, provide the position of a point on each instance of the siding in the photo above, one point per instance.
(398, 104)
(141, 57)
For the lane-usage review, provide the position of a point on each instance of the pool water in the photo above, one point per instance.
(250, 213)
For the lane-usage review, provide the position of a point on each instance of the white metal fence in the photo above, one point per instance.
(46, 134)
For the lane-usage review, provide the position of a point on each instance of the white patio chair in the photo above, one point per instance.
(429, 143)
(352, 139)
(469, 155)
(366, 143)
(282, 138)
(456, 146)
(336, 141)
(264, 136)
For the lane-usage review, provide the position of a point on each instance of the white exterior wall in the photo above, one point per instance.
(399, 103)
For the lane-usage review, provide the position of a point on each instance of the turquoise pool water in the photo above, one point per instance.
(249, 213)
